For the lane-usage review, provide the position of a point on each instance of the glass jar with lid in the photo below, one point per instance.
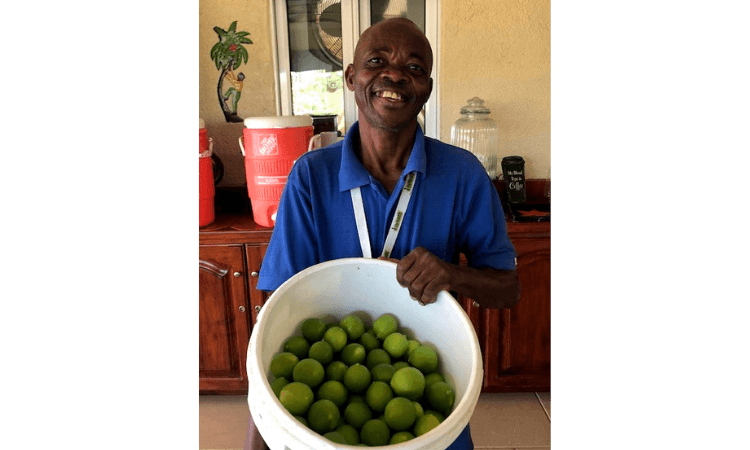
(476, 132)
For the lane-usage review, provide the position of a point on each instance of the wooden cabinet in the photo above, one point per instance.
(517, 340)
(254, 255)
(227, 300)
(223, 318)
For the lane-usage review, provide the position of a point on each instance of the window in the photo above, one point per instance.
(315, 42)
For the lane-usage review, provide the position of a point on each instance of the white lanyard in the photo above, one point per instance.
(359, 216)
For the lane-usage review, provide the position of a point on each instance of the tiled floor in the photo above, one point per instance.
(500, 421)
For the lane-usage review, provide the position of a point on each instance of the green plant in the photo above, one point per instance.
(228, 54)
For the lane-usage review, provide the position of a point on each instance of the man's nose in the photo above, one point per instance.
(395, 75)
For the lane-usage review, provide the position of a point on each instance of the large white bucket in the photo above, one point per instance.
(368, 287)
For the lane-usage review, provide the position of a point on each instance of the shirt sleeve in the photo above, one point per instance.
(484, 237)
(291, 248)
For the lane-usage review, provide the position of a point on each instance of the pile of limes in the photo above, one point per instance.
(361, 385)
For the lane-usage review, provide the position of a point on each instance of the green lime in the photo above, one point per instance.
(377, 356)
(349, 432)
(309, 371)
(282, 365)
(385, 325)
(353, 354)
(357, 413)
(296, 397)
(382, 372)
(398, 365)
(335, 436)
(322, 352)
(297, 345)
(335, 371)
(336, 337)
(396, 344)
(425, 423)
(432, 378)
(301, 419)
(357, 378)
(334, 391)
(413, 343)
(313, 329)
(375, 432)
(378, 395)
(418, 408)
(407, 382)
(323, 416)
(424, 358)
(438, 415)
(369, 341)
(353, 326)
(440, 396)
(277, 384)
(400, 414)
(401, 436)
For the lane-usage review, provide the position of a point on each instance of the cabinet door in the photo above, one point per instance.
(517, 340)
(223, 319)
(254, 255)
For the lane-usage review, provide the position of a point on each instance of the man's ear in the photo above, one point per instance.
(349, 77)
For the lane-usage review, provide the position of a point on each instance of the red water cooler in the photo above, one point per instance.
(270, 146)
(206, 211)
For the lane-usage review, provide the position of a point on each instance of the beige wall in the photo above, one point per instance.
(498, 50)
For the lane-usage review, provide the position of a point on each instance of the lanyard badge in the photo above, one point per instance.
(398, 216)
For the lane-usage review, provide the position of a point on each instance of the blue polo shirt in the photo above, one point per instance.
(454, 209)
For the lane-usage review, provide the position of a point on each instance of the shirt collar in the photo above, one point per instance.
(353, 174)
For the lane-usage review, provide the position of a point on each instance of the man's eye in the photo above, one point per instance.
(416, 67)
(375, 61)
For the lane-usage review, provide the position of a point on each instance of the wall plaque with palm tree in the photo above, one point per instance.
(228, 54)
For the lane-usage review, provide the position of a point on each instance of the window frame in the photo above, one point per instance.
(358, 13)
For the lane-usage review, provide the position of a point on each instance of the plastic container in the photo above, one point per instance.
(202, 136)
(476, 132)
(368, 288)
(206, 211)
(206, 179)
(271, 146)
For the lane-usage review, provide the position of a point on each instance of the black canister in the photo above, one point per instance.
(515, 178)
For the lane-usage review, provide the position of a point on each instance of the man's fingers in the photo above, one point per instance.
(383, 258)
(403, 267)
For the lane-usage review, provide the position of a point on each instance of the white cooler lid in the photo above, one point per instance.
(279, 122)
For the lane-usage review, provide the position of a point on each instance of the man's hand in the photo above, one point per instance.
(424, 274)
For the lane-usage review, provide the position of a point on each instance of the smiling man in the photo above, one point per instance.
(388, 191)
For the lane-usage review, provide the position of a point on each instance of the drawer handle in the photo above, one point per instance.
(237, 274)
(257, 309)
(253, 274)
(242, 309)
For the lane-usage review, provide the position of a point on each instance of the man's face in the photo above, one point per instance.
(390, 75)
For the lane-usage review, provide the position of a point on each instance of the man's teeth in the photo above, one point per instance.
(389, 94)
